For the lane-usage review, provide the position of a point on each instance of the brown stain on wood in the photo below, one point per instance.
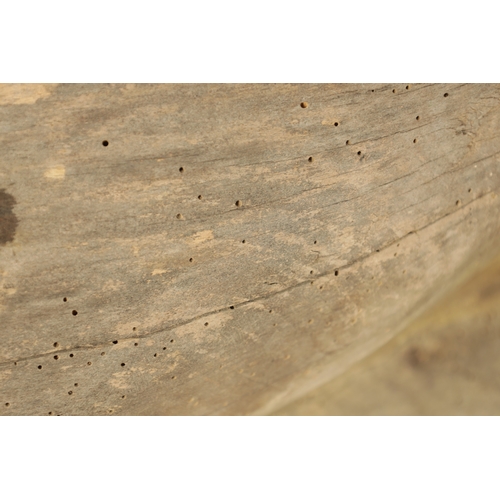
(8, 219)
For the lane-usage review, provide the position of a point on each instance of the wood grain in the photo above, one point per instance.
(228, 249)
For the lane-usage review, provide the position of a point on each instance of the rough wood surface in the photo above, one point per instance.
(222, 249)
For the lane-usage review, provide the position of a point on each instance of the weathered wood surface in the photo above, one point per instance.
(229, 249)
(445, 363)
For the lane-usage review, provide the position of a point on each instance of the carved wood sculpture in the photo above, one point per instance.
(222, 249)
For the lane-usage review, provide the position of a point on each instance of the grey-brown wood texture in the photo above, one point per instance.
(221, 249)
